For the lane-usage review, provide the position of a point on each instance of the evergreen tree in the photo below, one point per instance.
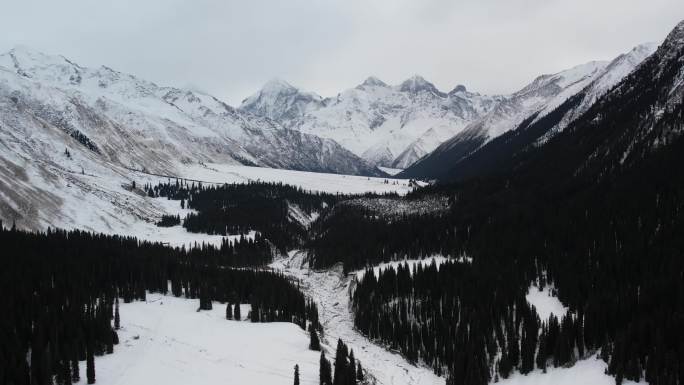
(75, 371)
(90, 366)
(117, 320)
(325, 371)
(236, 314)
(341, 370)
(229, 311)
(351, 369)
(296, 374)
(359, 371)
(314, 342)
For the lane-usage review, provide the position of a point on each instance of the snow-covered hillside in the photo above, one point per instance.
(374, 120)
(600, 84)
(546, 90)
(135, 123)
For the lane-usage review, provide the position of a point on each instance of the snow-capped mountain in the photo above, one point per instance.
(548, 105)
(374, 120)
(614, 72)
(280, 101)
(137, 124)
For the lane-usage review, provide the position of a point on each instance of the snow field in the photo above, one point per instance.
(330, 183)
(590, 371)
(166, 341)
(545, 302)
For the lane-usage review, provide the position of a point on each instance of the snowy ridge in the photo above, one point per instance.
(135, 123)
(530, 104)
(546, 90)
(600, 84)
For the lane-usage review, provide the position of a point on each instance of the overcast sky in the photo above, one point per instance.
(230, 48)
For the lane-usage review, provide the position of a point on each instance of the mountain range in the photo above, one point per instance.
(395, 126)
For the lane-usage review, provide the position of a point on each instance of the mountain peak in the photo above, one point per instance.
(675, 39)
(31, 63)
(373, 81)
(416, 84)
(460, 88)
(277, 85)
(25, 55)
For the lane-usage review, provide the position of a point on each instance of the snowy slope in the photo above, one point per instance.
(41, 186)
(135, 123)
(589, 371)
(166, 341)
(374, 120)
(543, 91)
(603, 82)
(529, 105)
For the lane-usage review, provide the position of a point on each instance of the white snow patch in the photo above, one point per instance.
(176, 345)
(590, 371)
(391, 171)
(545, 302)
(296, 214)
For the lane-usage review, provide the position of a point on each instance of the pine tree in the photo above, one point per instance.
(314, 342)
(75, 371)
(236, 314)
(351, 369)
(359, 371)
(90, 366)
(229, 311)
(117, 320)
(325, 371)
(296, 375)
(340, 376)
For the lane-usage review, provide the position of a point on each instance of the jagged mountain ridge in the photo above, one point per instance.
(137, 124)
(374, 120)
(485, 145)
